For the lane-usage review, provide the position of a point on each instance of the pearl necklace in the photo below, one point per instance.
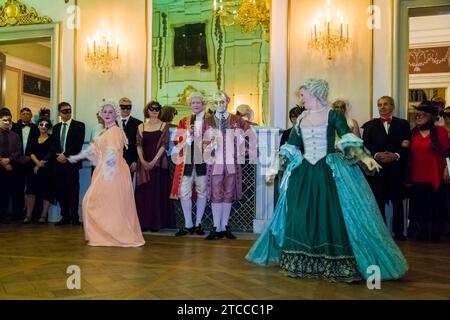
(318, 110)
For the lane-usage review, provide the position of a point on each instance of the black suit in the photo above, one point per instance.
(195, 154)
(131, 129)
(22, 167)
(67, 176)
(388, 184)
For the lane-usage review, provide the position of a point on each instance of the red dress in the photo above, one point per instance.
(427, 165)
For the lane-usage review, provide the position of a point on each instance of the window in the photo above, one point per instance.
(190, 46)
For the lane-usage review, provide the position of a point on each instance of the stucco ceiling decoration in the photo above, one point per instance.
(15, 13)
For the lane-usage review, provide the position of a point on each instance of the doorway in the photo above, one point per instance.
(410, 13)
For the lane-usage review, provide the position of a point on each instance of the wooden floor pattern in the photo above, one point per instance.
(34, 259)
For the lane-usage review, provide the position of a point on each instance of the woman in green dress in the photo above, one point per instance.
(326, 223)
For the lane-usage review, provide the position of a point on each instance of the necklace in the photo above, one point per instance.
(318, 110)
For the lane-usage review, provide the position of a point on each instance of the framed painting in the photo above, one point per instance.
(35, 85)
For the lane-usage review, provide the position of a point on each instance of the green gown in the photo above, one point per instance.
(316, 243)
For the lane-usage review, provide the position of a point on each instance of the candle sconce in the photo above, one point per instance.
(102, 52)
(329, 32)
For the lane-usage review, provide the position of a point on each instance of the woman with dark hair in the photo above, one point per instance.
(167, 115)
(40, 174)
(428, 172)
(294, 113)
(153, 183)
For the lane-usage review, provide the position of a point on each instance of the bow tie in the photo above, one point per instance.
(26, 125)
(388, 120)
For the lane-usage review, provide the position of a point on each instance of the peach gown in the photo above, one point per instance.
(109, 210)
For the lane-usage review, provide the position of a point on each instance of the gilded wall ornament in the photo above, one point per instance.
(14, 13)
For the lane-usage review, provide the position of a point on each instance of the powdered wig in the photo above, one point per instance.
(221, 94)
(196, 95)
(318, 88)
(113, 105)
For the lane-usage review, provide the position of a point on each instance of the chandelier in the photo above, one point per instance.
(101, 52)
(248, 14)
(327, 32)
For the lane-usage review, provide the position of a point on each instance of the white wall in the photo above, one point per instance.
(348, 73)
(383, 51)
(126, 20)
(429, 31)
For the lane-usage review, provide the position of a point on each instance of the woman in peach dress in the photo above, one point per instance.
(109, 210)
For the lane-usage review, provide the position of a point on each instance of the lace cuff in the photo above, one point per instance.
(87, 153)
(354, 150)
(289, 152)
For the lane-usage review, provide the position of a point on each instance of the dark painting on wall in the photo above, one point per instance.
(190, 46)
(36, 86)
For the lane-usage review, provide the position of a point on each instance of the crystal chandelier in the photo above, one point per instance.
(248, 15)
(327, 32)
(102, 53)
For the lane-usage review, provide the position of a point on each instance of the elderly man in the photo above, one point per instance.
(228, 139)
(190, 168)
(388, 139)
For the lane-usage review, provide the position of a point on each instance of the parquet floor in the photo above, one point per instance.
(34, 259)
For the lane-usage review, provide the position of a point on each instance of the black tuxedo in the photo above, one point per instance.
(22, 167)
(67, 176)
(34, 134)
(131, 129)
(388, 184)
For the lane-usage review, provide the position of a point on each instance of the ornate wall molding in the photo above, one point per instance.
(429, 60)
(14, 13)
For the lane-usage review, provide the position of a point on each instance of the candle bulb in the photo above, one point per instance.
(347, 29)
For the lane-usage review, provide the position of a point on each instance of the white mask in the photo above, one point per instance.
(221, 104)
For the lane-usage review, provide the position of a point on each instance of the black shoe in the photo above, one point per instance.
(220, 234)
(76, 223)
(199, 230)
(62, 222)
(154, 230)
(182, 232)
(228, 233)
(212, 234)
(400, 238)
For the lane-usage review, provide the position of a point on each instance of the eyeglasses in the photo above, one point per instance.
(66, 111)
(44, 125)
(125, 107)
(154, 109)
(446, 114)
(421, 115)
